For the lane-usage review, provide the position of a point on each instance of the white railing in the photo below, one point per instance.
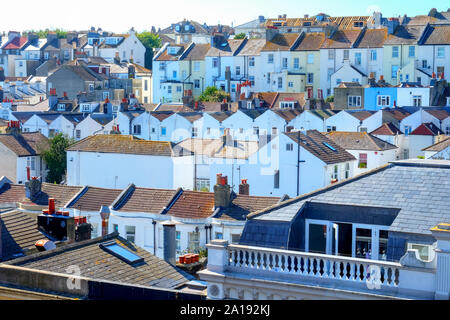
(310, 265)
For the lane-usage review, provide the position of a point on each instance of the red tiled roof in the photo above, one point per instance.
(193, 204)
(386, 129)
(93, 198)
(16, 43)
(147, 200)
(426, 129)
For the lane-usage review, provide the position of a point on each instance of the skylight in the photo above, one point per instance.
(121, 253)
(329, 146)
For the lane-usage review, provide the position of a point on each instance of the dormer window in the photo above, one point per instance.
(177, 28)
(173, 50)
(186, 27)
(61, 107)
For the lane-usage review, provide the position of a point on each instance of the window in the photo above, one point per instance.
(394, 71)
(194, 241)
(137, 129)
(274, 131)
(202, 184)
(383, 101)
(373, 55)
(331, 128)
(347, 171)
(174, 74)
(130, 233)
(441, 52)
(448, 101)
(91, 87)
(394, 52)
(330, 73)
(407, 77)
(238, 70)
(219, 235)
(335, 173)
(290, 84)
(178, 241)
(116, 228)
(338, 81)
(289, 146)
(330, 54)
(310, 78)
(162, 66)
(196, 83)
(252, 80)
(425, 251)
(169, 89)
(77, 134)
(408, 130)
(194, 132)
(163, 131)
(235, 238)
(268, 77)
(417, 101)
(94, 231)
(196, 66)
(412, 52)
(280, 83)
(31, 163)
(296, 63)
(276, 179)
(310, 58)
(284, 63)
(440, 70)
(256, 131)
(61, 107)
(362, 164)
(105, 95)
(179, 88)
(251, 61)
(215, 62)
(354, 101)
(287, 104)
(424, 64)
(121, 252)
(270, 58)
(346, 54)
(358, 58)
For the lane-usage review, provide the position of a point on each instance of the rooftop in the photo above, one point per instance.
(26, 144)
(359, 141)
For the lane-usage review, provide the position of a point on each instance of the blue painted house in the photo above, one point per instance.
(380, 95)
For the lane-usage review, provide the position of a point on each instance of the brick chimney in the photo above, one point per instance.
(244, 188)
(222, 192)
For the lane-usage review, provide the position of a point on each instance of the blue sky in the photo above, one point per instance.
(120, 15)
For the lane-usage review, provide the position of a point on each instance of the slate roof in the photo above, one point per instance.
(418, 188)
(26, 144)
(386, 129)
(314, 142)
(198, 52)
(342, 39)
(96, 263)
(92, 198)
(311, 42)
(252, 47)
(123, 144)
(220, 116)
(243, 205)
(231, 48)
(440, 114)
(396, 113)
(324, 113)
(359, 141)
(361, 114)
(405, 35)
(439, 146)
(372, 38)
(161, 115)
(287, 114)
(437, 35)
(165, 56)
(19, 233)
(215, 148)
(281, 41)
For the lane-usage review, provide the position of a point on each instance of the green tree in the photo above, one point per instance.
(212, 94)
(329, 99)
(150, 41)
(240, 36)
(42, 34)
(55, 157)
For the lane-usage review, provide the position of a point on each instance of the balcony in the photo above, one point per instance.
(245, 272)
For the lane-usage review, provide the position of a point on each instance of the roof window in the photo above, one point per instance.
(329, 146)
(121, 253)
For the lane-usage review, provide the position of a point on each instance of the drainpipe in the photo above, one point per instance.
(154, 237)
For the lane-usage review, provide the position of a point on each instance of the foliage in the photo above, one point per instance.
(240, 36)
(55, 157)
(213, 94)
(150, 41)
(203, 253)
(42, 34)
(329, 99)
(420, 157)
(204, 189)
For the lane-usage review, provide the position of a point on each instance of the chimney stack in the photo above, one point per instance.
(222, 192)
(244, 188)
(104, 214)
(170, 245)
(33, 189)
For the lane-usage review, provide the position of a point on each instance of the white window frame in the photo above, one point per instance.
(383, 100)
(270, 58)
(441, 52)
(417, 100)
(310, 58)
(354, 101)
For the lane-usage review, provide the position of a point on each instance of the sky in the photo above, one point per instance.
(120, 16)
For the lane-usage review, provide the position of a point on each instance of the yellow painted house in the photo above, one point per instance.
(400, 53)
(304, 68)
(192, 70)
